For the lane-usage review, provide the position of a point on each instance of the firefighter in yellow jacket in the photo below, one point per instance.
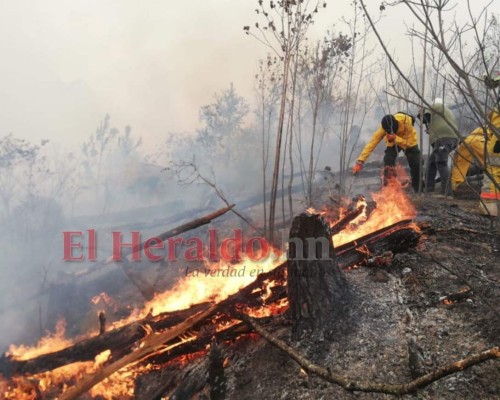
(475, 142)
(490, 194)
(399, 134)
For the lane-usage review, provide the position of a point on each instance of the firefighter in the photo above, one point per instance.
(463, 157)
(442, 126)
(490, 195)
(475, 142)
(400, 135)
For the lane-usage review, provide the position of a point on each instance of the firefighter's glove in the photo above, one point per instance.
(357, 167)
(391, 137)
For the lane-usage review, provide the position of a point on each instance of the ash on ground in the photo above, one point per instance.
(398, 327)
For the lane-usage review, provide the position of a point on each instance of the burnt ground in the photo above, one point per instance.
(393, 307)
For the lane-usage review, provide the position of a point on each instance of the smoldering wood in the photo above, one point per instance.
(170, 374)
(153, 343)
(347, 219)
(190, 347)
(396, 238)
(353, 212)
(317, 288)
(456, 297)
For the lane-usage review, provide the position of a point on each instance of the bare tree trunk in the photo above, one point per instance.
(311, 155)
(276, 171)
(291, 127)
(264, 161)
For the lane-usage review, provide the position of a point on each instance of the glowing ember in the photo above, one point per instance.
(270, 310)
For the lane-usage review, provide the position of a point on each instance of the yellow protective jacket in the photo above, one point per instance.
(475, 143)
(490, 195)
(494, 117)
(406, 136)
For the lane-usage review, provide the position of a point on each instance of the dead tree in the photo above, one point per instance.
(317, 288)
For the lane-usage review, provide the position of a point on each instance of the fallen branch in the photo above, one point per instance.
(432, 259)
(347, 219)
(181, 229)
(151, 344)
(354, 384)
(117, 340)
(155, 342)
(396, 238)
(453, 298)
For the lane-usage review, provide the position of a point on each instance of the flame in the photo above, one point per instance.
(50, 343)
(269, 310)
(393, 205)
(50, 384)
(214, 283)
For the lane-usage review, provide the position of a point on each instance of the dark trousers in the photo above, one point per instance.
(438, 162)
(412, 155)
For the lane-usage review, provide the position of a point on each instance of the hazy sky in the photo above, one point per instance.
(150, 64)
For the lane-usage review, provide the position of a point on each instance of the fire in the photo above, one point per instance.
(270, 310)
(392, 205)
(48, 344)
(214, 283)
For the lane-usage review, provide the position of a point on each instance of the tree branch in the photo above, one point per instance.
(354, 384)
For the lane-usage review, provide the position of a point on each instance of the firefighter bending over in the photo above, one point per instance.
(400, 135)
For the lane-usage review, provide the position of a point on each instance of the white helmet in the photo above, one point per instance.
(438, 100)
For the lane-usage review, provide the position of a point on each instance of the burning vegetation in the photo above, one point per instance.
(179, 328)
(56, 364)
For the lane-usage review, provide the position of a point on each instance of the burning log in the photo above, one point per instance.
(347, 219)
(464, 294)
(151, 344)
(396, 238)
(121, 340)
(154, 342)
(117, 340)
(317, 288)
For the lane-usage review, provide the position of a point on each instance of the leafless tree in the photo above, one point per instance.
(357, 93)
(320, 68)
(284, 28)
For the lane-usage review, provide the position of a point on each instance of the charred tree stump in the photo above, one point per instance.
(317, 288)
